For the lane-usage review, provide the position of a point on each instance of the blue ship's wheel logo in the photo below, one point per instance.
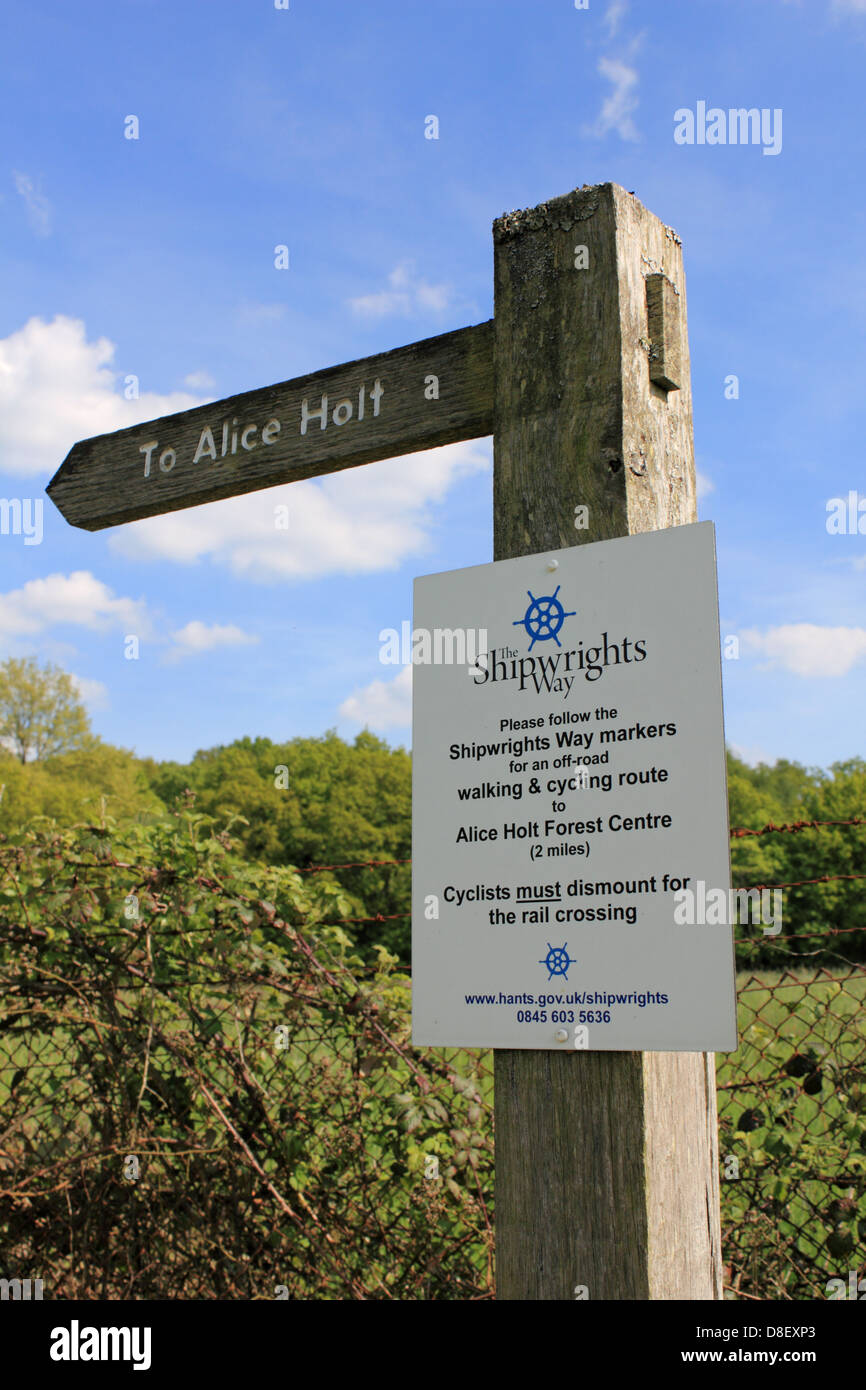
(557, 960)
(543, 618)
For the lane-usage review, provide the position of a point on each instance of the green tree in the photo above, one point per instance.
(337, 803)
(92, 785)
(41, 713)
(821, 866)
(838, 851)
(757, 797)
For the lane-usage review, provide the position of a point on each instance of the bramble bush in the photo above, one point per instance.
(207, 1093)
(792, 1117)
(208, 1090)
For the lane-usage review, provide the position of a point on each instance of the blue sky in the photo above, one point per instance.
(154, 258)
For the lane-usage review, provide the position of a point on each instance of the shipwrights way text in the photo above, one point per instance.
(556, 674)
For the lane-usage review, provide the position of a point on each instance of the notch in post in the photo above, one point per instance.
(664, 332)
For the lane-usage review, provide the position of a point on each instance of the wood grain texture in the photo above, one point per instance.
(606, 1162)
(102, 481)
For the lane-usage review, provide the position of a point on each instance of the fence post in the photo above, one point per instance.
(607, 1181)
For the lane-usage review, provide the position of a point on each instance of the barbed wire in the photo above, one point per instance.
(771, 828)
(78, 1043)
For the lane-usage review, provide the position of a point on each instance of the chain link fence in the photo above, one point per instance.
(204, 1100)
(205, 1095)
(792, 1132)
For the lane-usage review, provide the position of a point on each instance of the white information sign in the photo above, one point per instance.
(571, 872)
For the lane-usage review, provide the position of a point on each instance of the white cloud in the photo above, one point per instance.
(752, 754)
(93, 693)
(57, 388)
(79, 598)
(619, 106)
(613, 15)
(360, 521)
(704, 484)
(808, 650)
(199, 381)
(381, 705)
(199, 637)
(39, 210)
(406, 296)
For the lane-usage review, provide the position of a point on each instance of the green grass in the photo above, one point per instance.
(783, 1013)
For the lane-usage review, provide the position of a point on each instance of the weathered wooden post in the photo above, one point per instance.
(606, 1162)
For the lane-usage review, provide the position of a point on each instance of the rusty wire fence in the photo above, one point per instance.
(201, 1097)
(792, 1100)
(204, 1094)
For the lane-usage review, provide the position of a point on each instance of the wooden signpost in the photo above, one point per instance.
(606, 1162)
(418, 397)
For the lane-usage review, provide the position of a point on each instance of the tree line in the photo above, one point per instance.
(314, 802)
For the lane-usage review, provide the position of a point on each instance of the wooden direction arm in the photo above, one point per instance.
(429, 393)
